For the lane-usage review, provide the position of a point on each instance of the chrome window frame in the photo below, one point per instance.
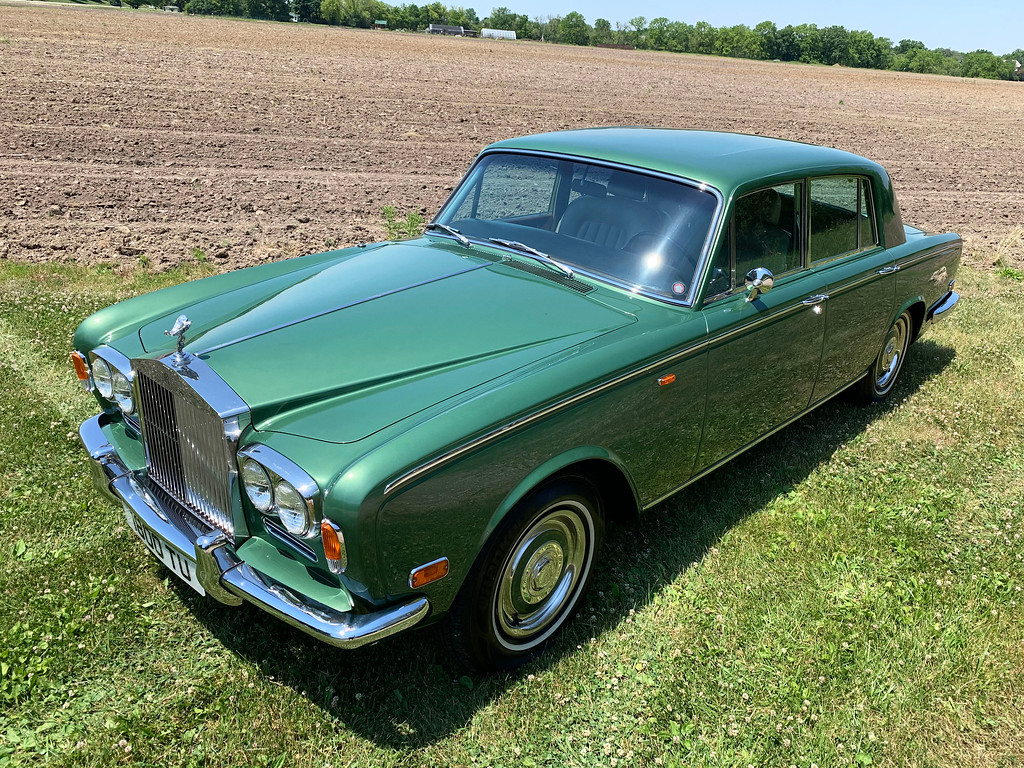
(632, 288)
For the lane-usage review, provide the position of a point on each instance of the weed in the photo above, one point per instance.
(199, 255)
(1011, 273)
(400, 228)
(330, 242)
(144, 261)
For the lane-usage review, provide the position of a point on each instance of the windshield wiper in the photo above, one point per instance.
(543, 258)
(463, 240)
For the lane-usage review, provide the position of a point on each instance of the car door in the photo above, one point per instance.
(859, 276)
(763, 355)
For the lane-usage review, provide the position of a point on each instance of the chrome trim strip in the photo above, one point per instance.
(703, 186)
(855, 283)
(408, 477)
(324, 312)
(294, 544)
(758, 322)
(405, 479)
(939, 250)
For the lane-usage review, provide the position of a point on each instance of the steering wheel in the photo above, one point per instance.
(676, 268)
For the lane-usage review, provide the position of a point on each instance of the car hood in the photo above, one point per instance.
(344, 348)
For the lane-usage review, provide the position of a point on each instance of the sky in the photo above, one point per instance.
(993, 25)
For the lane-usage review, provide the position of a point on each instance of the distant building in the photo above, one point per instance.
(380, 24)
(498, 34)
(446, 29)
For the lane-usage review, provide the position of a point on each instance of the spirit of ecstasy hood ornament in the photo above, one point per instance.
(181, 325)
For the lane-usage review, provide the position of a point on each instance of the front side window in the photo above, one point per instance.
(634, 229)
(840, 216)
(763, 231)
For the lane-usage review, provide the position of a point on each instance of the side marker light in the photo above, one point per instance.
(428, 573)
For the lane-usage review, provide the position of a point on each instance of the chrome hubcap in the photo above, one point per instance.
(542, 574)
(891, 359)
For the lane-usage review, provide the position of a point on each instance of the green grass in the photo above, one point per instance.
(411, 225)
(847, 593)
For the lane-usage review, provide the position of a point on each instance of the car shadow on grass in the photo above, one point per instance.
(405, 693)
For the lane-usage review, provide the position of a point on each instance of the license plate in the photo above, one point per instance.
(182, 567)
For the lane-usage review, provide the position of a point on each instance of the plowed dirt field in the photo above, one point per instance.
(133, 137)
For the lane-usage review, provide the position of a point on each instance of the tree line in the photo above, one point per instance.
(806, 43)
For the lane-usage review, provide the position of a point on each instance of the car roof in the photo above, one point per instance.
(728, 161)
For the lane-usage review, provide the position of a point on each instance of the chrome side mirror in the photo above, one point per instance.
(758, 280)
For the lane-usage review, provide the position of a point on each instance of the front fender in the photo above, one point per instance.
(550, 468)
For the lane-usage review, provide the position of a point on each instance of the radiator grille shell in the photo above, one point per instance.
(190, 443)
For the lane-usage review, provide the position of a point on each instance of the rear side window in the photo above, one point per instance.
(841, 220)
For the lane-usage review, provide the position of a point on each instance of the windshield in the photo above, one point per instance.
(638, 230)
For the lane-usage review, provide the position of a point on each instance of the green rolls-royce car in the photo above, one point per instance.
(380, 437)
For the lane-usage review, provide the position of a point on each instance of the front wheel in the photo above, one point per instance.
(530, 578)
(881, 377)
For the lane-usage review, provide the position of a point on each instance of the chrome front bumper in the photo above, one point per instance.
(228, 579)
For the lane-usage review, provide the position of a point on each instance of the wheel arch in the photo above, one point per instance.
(609, 477)
(916, 308)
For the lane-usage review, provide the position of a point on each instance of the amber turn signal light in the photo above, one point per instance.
(334, 547)
(428, 573)
(81, 369)
(664, 380)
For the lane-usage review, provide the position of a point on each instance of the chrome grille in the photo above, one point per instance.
(186, 449)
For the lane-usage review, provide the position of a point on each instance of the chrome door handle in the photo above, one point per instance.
(816, 299)
(888, 270)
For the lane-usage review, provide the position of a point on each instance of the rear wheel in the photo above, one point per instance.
(881, 377)
(530, 578)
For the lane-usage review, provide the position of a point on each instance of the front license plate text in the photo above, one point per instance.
(181, 566)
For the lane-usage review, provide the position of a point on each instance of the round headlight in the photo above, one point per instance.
(257, 485)
(101, 377)
(122, 392)
(292, 509)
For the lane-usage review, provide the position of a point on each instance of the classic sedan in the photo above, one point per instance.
(376, 438)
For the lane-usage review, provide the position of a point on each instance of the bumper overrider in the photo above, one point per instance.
(209, 564)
